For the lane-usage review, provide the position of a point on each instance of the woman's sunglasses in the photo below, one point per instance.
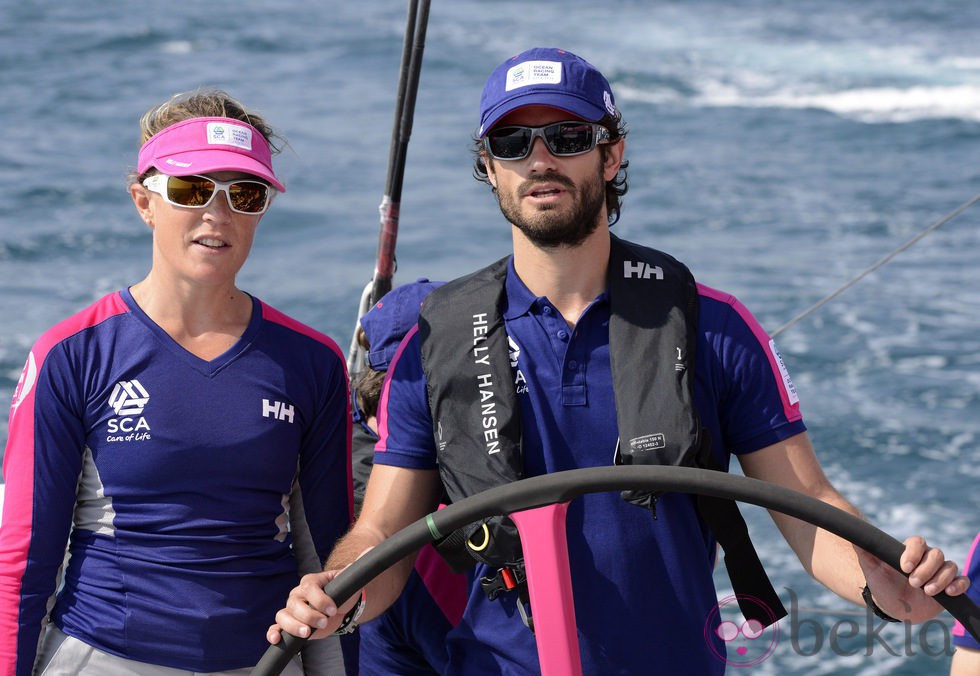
(563, 139)
(244, 196)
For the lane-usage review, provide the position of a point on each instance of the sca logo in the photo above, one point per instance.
(128, 400)
(514, 350)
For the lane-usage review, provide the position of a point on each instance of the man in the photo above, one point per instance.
(588, 317)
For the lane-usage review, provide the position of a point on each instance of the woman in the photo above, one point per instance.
(165, 432)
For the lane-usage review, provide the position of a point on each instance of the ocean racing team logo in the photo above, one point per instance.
(128, 399)
(222, 133)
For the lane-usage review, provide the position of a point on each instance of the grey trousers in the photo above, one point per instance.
(62, 655)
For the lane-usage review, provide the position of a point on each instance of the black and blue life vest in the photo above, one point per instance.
(652, 340)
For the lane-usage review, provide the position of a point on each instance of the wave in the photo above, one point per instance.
(871, 105)
(887, 71)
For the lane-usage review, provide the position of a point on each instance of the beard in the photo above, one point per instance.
(557, 226)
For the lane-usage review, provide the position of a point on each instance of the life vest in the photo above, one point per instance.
(476, 414)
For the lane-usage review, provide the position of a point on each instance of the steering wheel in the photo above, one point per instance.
(538, 504)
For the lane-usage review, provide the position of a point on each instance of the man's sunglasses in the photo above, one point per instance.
(244, 196)
(563, 139)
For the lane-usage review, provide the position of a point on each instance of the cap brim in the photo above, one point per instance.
(560, 100)
(212, 160)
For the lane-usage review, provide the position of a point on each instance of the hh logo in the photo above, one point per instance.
(278, 410)
(128, 397)
(641, 270)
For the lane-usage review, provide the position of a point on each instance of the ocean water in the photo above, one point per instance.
(779, 148)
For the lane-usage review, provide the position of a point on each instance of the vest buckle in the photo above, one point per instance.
(508, 579)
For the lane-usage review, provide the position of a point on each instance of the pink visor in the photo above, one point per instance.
(203, 145)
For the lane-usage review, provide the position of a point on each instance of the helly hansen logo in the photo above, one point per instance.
(128, 397)
(278, 410)
(641, 270)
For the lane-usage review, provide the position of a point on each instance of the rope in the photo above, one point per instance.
(816, 306)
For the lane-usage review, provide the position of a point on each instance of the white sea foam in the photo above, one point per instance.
(872, 105)
(882, 104)
(177, 47)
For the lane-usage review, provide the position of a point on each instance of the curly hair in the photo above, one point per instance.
(367, 390)
(615, 187)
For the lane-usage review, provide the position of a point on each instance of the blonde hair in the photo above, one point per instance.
(202, 103)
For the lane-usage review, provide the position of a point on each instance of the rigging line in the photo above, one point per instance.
(408, 81)
(816, 306)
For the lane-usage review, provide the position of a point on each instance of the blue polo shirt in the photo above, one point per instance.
(643, 587)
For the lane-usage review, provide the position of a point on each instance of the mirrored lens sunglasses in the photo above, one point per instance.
(244, 196)
(564, 139)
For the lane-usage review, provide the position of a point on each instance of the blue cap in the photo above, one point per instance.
(391, 318)
(549, 77)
